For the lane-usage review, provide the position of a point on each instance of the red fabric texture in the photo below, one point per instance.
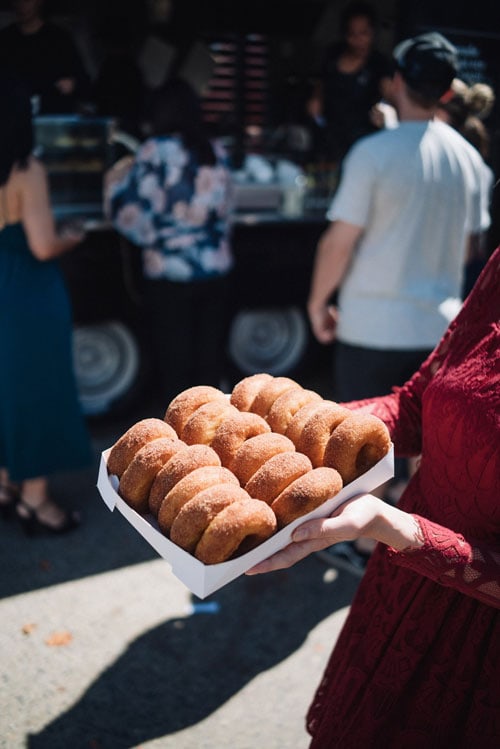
(417, 664)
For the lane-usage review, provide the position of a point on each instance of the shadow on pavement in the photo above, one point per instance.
(104, 542)
(178, 673)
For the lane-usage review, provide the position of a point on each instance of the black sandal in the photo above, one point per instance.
(32, 524)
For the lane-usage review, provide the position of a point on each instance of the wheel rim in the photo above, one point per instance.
(106, 362)
(270, 340)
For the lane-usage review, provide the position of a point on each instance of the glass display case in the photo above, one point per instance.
(76, 152)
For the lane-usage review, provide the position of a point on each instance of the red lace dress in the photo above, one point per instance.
(417, 664)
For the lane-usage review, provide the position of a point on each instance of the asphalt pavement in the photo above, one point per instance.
(101, 647)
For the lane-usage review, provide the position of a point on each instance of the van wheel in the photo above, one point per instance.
(109, 367)
(273, 340)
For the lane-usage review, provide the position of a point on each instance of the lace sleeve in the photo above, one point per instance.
(473, 568)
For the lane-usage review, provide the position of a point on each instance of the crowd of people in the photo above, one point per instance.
(412, 345)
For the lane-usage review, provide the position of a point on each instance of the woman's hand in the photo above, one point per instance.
(72, 230)
(364, 515)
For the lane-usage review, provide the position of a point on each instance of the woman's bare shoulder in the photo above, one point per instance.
(33, 169)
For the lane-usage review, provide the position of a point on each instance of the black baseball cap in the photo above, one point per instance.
(428, 63)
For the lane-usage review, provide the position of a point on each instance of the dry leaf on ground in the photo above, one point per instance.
(57, 639)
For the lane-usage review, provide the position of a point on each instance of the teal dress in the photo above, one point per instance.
(42, 428)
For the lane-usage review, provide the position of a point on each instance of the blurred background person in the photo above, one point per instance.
(119, 89)
(355, 77)
(407, 207)
(173, 200)
(465, 108)
(46, 59)
(42, 430)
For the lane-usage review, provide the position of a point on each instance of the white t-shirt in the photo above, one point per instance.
(415, 190)
(486, 195)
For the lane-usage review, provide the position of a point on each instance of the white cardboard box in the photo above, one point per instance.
(204, 579)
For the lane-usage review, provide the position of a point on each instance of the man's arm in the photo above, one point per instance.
(333, 255)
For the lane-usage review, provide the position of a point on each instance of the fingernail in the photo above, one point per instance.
(298, 535)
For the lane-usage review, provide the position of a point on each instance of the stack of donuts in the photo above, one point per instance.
(329, 434)
(221, 474)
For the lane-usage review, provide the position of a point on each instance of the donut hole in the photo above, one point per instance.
(367, 457)
(249, 542)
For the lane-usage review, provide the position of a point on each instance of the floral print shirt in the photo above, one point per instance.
(175, 210)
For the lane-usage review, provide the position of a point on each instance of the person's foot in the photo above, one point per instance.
(345, 556)
(45, 516)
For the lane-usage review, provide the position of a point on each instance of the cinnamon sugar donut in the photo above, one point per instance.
(286, 406)
(201, 426)
(296, 424)
(276, 474)
(137, 479)
(179, 465)
(356, 445)
(131, 442)
(193, 518)
(185, 404)
(270, 391)
(254, 452)
(305, 494)
(234, 431)
(238, 528)
(186, 488)
(244, 392)
(317, 430)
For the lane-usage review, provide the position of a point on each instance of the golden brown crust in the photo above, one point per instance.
(201, 426)
(305, 494)
(185, 404)
(356, 445)
(179, 465)
(317, 430)
(294, 429)
(276, 474)
(234, 431)
(286, 406)
(270, 391)
(137, 479)
(244, 392)
(254, 452)
(130, 443)
(194, 517)
(186, 488)
(238, 528)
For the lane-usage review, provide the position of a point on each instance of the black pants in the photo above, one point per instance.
(367, 373)
(187, 326)
(361, 372)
